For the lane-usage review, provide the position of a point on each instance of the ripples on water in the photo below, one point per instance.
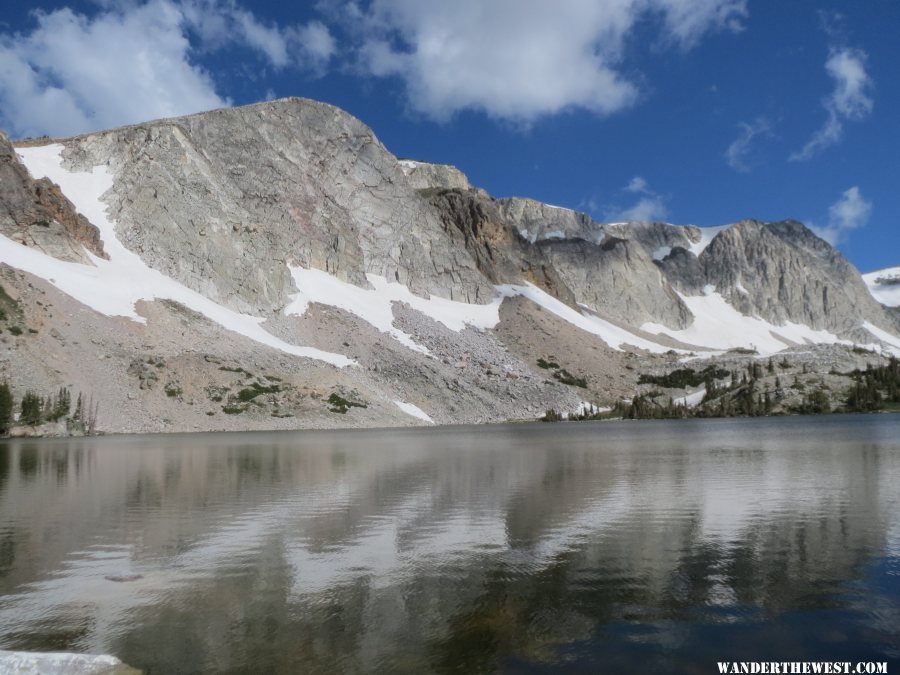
(518, 548)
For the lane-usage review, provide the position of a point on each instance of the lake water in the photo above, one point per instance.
(614, 547)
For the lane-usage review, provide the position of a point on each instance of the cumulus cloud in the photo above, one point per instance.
(848, 213)
(219, 23)
(738, 154)
(649, 206)
(851, 99)
(637, 184)
(131, 62)
(520, 59)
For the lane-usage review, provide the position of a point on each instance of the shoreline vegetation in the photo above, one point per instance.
(759, 389)
(48, 415)
(756, 391)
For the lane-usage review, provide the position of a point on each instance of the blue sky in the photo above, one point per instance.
(689, 111)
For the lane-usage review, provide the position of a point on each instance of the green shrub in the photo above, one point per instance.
(551, 416)
(341, 405)
(566, 377)
(684, 377)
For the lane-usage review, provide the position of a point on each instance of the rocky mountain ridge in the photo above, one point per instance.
(285, 230)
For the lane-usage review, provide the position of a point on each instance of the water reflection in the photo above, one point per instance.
(467, 550)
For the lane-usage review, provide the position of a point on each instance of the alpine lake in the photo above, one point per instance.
(655, 546)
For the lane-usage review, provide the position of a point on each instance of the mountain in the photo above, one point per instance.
(275, 266)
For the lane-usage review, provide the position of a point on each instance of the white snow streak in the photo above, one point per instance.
(691, 400)
(720, 326)
(706, 235)
(414, 410)
(375, 305)
(885, 337)
(555, 234)
(112, 287)
(611, 334)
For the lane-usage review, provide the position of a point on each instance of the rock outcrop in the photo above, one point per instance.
(35, 213)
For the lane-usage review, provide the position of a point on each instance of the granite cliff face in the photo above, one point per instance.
(285, 226)
(205, 198)
(782, 271)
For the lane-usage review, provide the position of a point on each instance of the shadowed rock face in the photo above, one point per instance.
(618, 279)
(37, 214)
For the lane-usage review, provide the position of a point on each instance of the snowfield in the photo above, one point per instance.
(414, 410)
(718, 325)
(375, 305)
(112, 287)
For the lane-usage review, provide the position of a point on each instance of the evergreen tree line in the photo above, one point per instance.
(35, 409)
(875, 387)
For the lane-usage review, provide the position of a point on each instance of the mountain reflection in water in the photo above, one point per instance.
(517, 548)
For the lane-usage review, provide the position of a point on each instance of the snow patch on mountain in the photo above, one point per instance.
(375, 305)
(662, 252)
(707, 234)
(414, 411)
(610, 333)
(691, 400)
(112, 287)
(720, 326)
(892, 340)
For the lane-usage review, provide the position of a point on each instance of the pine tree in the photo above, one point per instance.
(63, 403)
(6, 407)
(32, 409)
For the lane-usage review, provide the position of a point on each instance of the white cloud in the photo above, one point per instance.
(131, 62)
(222, 22)
(520, 59)
(848, 213)
(850, 100)
(738, 153)
(649, 206)
(688, 20)
(637, 184)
